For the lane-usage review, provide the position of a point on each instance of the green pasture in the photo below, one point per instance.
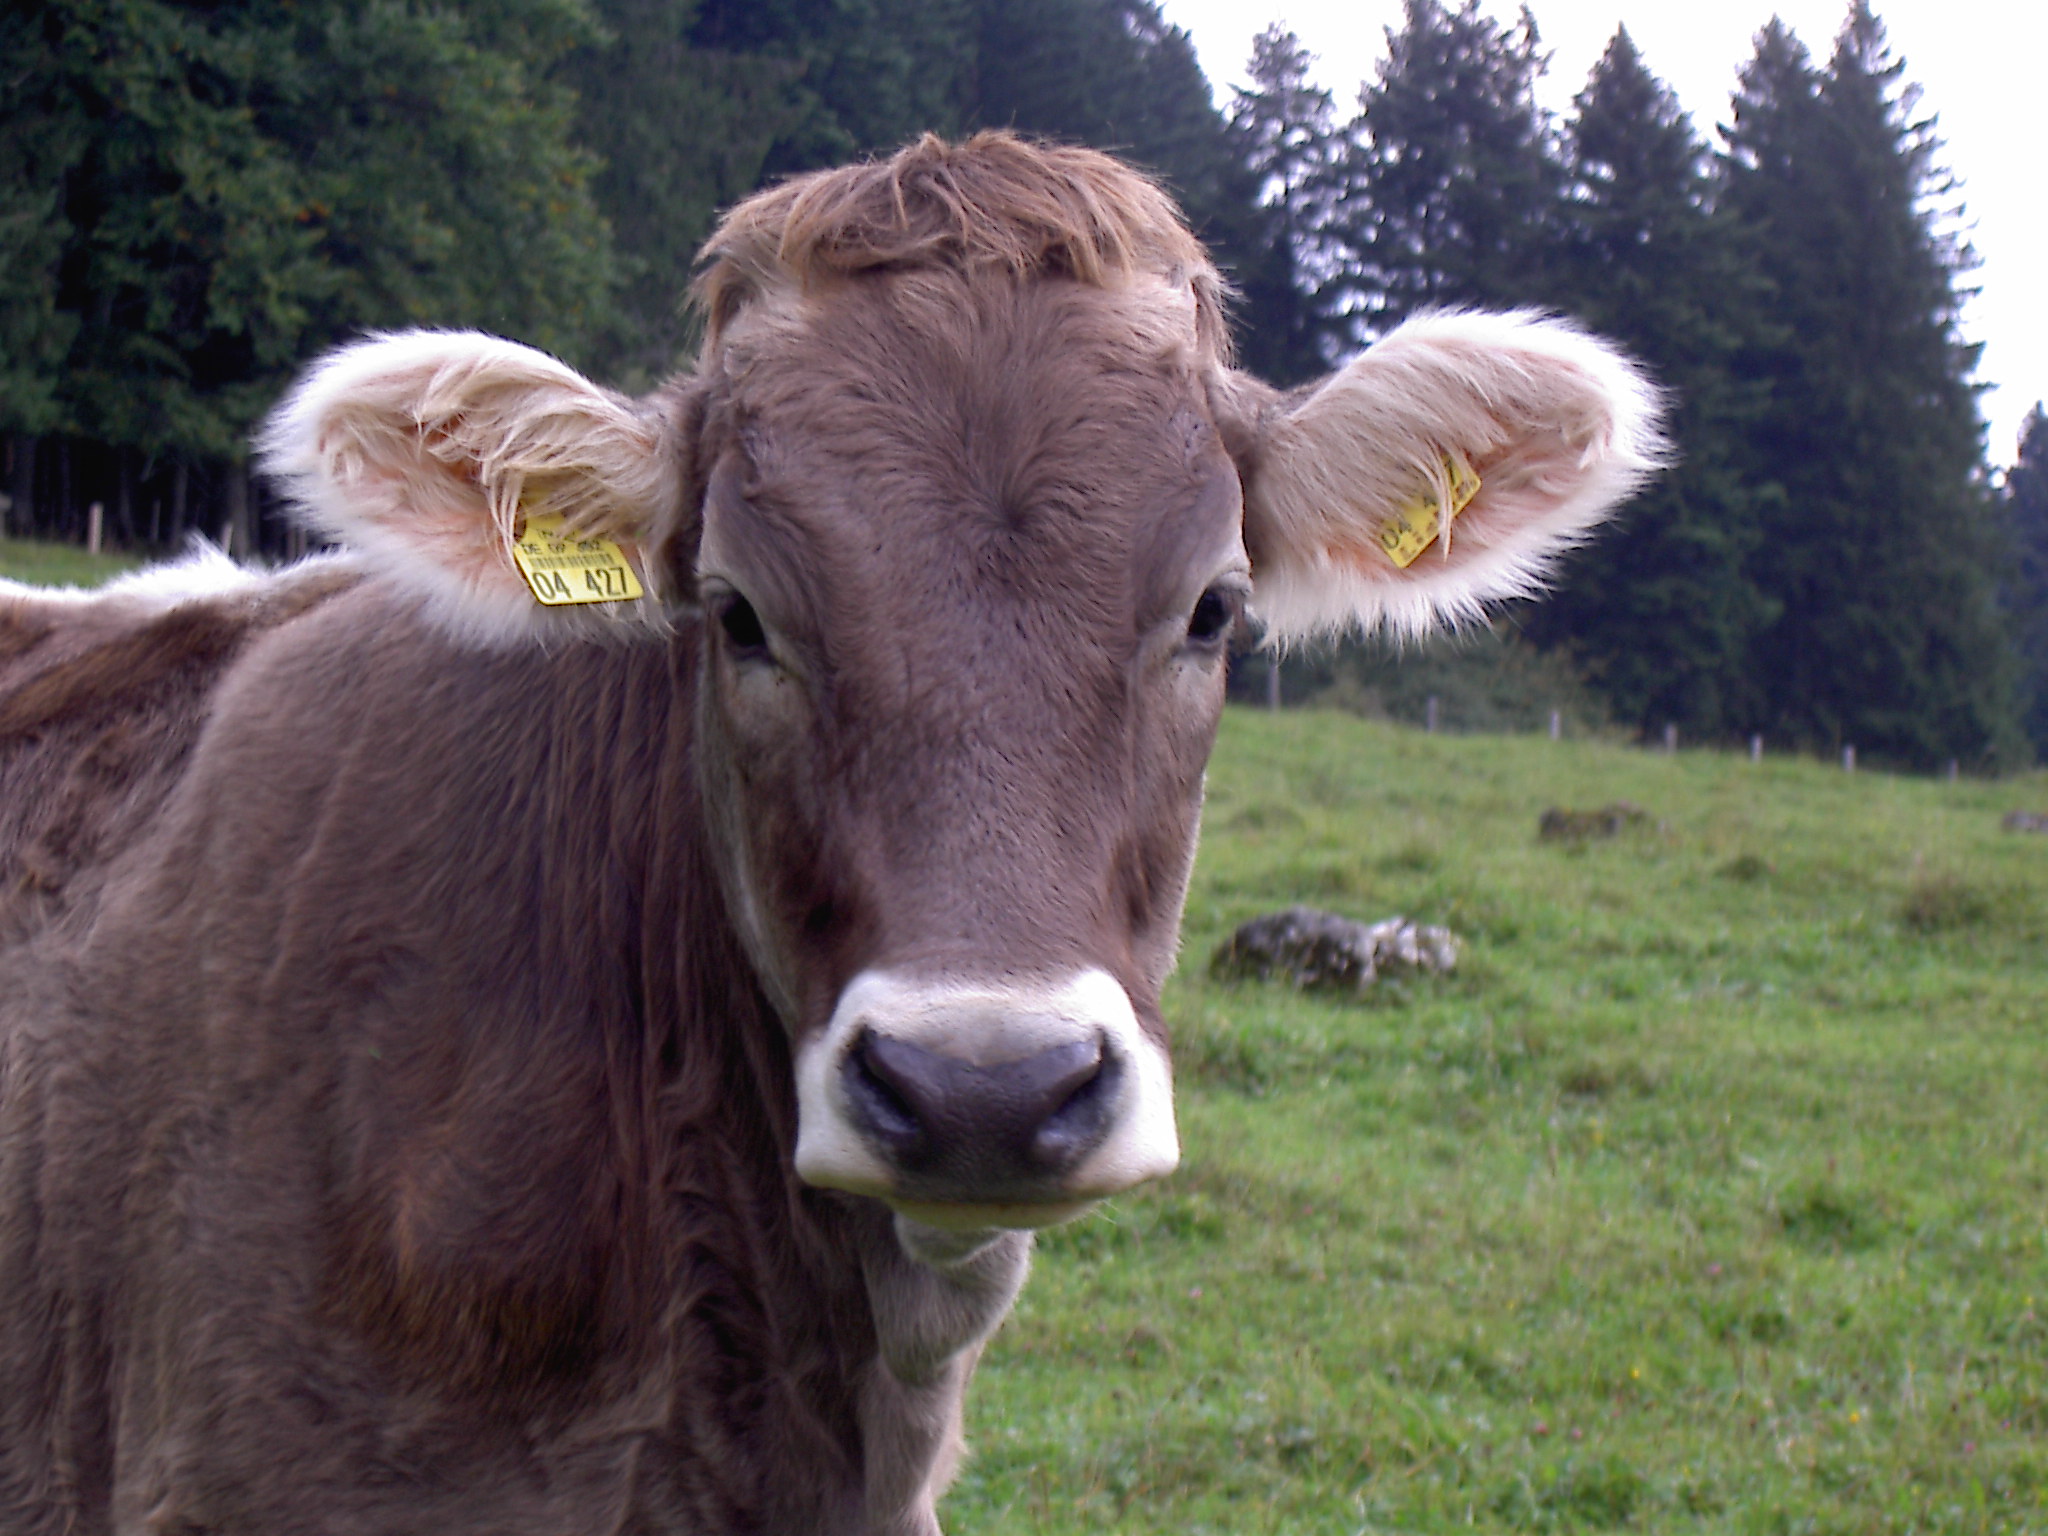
(59, 565)
(1708, 1195)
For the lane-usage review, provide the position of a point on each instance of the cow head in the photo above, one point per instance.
(959, 512)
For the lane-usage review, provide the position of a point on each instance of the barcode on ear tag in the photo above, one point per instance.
(563, 570)
(1418, 521)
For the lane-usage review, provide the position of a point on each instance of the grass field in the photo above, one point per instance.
(59, 565)
(1709, 1195)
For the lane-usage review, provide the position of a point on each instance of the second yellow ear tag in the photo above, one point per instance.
(1418, 520)
(564, 570)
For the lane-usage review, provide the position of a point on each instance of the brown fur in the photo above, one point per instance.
(98, 708)
(396, 1131)
(401, 991)
(994, 205)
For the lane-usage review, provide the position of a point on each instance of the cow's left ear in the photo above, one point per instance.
(429, 450)
(1447, 467)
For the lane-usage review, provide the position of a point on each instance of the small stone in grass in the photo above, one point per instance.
(1313, 949)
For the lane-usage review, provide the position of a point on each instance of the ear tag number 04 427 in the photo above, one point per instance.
(566, 570)
(1418, 520)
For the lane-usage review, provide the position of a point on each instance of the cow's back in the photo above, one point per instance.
(101, 700)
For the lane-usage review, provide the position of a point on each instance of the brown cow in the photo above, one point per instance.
(472, 1065)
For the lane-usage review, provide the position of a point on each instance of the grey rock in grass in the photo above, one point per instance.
(1559, 825)
(1313, 949)
(2025, 821)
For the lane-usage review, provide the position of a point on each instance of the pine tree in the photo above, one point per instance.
(1879, 549)
(1286, 135)
(861, 75)
(42, 139)
(1113, 74)
(2026, 584)
(1453, 185)
(246, 184)
(1660, 609)
(682, 131)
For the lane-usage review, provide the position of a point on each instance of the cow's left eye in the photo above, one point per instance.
(1216, 612)
(743, 628)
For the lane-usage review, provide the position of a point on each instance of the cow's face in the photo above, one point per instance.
(970, 562)
(960, 553)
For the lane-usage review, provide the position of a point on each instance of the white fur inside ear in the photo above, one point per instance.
(422, 449)
(1559, 425)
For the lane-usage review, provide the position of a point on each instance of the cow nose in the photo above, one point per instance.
(939, 1115)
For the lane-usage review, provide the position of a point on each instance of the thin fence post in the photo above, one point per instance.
(1848, 759)
(1756, 749)
(1954, 769)
(1429, 715)
(1272, 680)
(95, 525)
(1556, 724)
(1671, 738)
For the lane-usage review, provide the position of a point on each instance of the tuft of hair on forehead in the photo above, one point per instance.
(993, 206)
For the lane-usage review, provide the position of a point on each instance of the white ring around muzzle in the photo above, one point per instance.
(986, 1025)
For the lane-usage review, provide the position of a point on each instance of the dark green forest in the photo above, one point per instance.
(196, 198)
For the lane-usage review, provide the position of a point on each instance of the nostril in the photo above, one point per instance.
(1081, 1117)
(881, 1098)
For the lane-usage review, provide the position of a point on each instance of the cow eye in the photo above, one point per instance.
(742, 626)
(1215, 614)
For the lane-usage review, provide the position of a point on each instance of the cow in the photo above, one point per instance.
(475, 1061)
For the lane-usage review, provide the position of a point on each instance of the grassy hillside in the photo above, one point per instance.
(59, 565)
(1708, 1196)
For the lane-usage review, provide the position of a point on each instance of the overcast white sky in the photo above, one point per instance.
(1978, 63)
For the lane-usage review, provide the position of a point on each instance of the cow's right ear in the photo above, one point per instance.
(428, 451)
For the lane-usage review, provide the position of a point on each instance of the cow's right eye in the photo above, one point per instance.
(1215, 616)
(742, 626)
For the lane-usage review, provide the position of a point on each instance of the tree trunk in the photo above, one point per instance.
(58, 524)
(21, 485)
(124, 495)
(237, 535)
(181, 477)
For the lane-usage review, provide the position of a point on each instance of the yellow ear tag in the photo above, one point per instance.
(1418, 520)
(564, 570)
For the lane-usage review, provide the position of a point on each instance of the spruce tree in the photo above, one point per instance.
(2026, 583)
(1452, 183)
(1113, 74)
(861, 76)
(42, 136)
(682, 132)
(1660, 610)
(1878, 550)
(1286, 135)
(243, 185)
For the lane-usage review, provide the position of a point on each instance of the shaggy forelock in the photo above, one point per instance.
(995, 207)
